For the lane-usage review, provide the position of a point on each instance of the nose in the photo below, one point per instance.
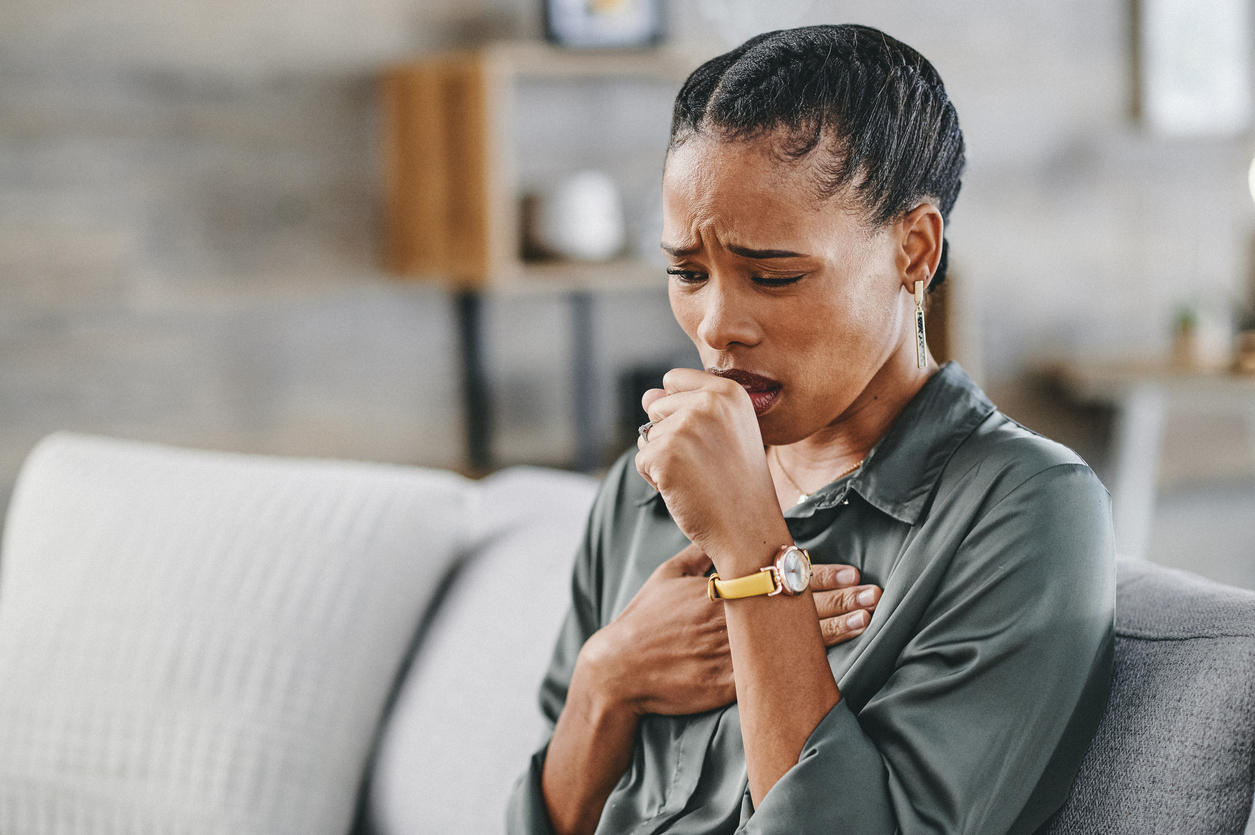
(727, 315)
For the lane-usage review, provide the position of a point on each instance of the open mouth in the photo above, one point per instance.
(763, 391)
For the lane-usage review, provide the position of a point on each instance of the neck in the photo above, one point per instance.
(816, 460)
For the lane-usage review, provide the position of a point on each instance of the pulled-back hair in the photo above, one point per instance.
(873, 107)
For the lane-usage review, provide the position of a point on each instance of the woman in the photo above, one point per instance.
(806, 189)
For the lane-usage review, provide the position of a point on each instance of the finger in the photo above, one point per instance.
(648, 398)
(686, 379)
(841, 629)
(667, 405)
(844, 601)
(642, 462)
(825, 576)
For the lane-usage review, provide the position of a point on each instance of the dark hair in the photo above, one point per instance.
(872, 105)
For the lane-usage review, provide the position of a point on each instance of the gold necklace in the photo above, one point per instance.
(803, 495)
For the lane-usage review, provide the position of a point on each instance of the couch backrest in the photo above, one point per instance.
(202, 642)
(1175, 751)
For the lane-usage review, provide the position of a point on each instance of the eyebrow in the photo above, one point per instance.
(744, 252)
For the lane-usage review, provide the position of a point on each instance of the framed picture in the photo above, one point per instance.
(606, 24)
(1194, 66)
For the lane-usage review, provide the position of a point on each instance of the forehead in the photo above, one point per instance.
(705, 167)
(745, 189)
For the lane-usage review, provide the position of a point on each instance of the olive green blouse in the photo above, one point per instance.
(970, 699)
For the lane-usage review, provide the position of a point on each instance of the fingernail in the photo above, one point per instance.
(857, 620)
(866, 597)
(847, 576)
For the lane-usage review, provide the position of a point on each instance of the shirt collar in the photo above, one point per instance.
(899, 473)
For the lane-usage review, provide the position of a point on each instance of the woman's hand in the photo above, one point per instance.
(667, 651)
(845, 607)
(704, 454)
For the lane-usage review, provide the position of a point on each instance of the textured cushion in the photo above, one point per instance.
(466, 720)
(1176, 747)
(202, 643)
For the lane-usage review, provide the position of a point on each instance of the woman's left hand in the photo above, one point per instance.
(845, 608)
(704, 454)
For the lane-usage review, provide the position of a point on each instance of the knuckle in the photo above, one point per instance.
(835, 576)
(825, 603)
(849, 599)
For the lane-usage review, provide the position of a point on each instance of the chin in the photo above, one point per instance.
(775, 428)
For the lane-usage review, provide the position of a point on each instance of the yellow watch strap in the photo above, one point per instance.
(764, 582)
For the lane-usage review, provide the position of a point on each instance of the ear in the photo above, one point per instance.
(920, 235)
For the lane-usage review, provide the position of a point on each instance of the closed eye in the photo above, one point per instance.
(764, 281)
(694, 277)
(687, 276)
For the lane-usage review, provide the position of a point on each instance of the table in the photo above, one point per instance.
(1143, 392)
(477, 394)
(579, 285)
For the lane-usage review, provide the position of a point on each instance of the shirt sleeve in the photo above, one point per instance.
(526, 812)
(984, 720)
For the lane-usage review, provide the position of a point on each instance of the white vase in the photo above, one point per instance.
(581, 216)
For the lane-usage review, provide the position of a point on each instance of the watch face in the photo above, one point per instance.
(795, 571)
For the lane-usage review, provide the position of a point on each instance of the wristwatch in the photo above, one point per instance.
(790, 574)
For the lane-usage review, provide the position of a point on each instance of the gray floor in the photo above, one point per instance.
(1207, 529)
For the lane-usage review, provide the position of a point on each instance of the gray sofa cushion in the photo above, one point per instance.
(1175, 751)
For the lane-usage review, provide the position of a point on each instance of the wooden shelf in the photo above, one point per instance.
(451, 173)
(453, 204)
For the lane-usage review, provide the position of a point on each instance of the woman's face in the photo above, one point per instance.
(768, 279)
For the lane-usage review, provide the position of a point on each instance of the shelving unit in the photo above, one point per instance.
(453, 201)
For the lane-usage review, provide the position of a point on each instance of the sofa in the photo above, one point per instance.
(202, 642)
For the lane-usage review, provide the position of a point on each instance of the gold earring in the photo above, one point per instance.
(921, 343)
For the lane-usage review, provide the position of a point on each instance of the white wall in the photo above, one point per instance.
(1077, 231)
(189, 217)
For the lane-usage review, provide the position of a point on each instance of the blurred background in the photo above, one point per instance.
(200, 242)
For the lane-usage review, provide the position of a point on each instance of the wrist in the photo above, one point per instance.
(752, 552)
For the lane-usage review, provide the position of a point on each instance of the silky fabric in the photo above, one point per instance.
(970, 699)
